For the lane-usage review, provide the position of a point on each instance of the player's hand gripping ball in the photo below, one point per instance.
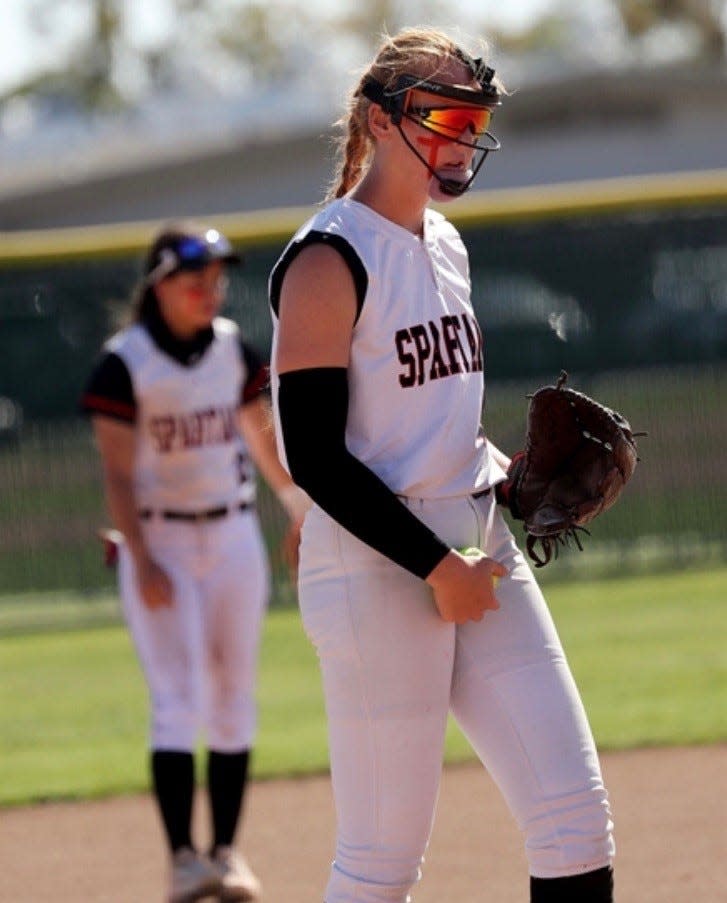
(478, 553)
(578, 457)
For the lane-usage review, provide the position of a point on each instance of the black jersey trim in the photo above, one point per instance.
(109, 390)
(315, 237)
(117, 410)
(257, 373)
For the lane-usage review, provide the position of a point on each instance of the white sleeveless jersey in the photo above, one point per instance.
(415, 376)
(190, 455)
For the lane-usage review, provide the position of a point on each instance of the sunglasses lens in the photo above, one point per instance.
(196, 252)
(192, 250)
(451, 122)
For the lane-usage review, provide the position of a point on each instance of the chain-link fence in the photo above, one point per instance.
(631, 300)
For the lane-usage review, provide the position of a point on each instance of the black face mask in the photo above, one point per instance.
(471, 113)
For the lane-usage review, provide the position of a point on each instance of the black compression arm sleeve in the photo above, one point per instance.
(313, 407)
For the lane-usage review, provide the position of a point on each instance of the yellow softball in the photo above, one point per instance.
(472, 550)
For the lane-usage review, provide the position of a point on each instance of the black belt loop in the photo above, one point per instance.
(482, 493)
(194, 517)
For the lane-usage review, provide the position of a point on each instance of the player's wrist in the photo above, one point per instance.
(442, 571)
(502, 493)
(295, 500)
(504, 489)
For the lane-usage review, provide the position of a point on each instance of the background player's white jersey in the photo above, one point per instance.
(189, 452)
(415, 374)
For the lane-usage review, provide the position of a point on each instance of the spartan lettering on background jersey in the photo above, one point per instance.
(212, 426)
(451, 345)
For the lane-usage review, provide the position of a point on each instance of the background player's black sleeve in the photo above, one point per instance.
(257, 374)
(313, 407)
(109, 390)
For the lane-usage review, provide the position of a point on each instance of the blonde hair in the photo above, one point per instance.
(419, 51)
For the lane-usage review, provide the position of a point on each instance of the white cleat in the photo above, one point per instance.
(193, 877)
(238, 881)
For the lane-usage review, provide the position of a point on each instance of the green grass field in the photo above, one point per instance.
(649, 654)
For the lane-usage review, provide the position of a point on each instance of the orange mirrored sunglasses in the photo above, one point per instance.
(450, 122)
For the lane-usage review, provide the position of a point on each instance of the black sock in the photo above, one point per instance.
(591, 887)
(173, 782)
(226, 780)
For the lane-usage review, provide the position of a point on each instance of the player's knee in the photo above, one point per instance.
(175, 721)
(570, 836)
(232, 723)
(178, 732)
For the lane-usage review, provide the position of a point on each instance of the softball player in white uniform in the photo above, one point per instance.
(178, 415)
(378, 354)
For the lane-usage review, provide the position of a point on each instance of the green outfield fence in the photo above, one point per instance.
(623, 283)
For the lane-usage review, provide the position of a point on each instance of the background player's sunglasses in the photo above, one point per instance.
(195, 252)
(191, 253)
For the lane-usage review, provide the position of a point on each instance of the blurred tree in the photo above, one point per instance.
(549, 32)
(86, 79)
(706, 17)
(270, 40)
(367, 21)
(251, 36)
(276, 37)
(640, 18)
(267, 38)
(264, 41)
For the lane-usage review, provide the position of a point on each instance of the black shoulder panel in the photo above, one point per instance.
(353, 261)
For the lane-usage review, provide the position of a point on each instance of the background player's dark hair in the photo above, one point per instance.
(143, 302)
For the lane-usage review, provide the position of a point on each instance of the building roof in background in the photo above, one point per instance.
(64, 148)
(195, 154)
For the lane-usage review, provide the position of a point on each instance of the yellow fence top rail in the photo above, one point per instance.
(482, 208)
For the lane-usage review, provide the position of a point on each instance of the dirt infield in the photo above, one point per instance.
(668, 807)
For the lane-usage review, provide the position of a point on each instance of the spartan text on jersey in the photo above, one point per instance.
(211, 426)
(436, 350)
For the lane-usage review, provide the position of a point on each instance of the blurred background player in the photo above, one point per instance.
(180, 417)
(377, 353)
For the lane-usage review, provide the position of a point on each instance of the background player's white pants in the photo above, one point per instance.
(392, 669)
(200, 656)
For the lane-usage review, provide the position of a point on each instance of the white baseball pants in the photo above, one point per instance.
(200, 656)
(392, 670)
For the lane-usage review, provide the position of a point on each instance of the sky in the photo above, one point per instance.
(22, 52)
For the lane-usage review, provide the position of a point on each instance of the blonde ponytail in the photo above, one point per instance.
(353, 148)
